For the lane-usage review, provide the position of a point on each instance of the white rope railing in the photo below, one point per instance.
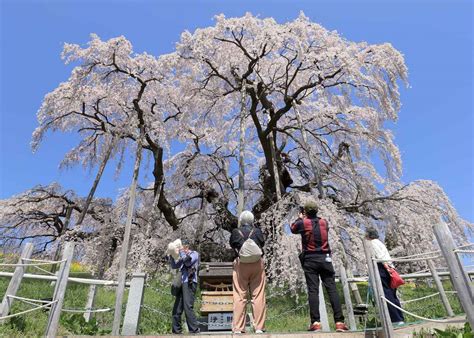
(406, 260)
(421, 298)
(29, 310)
(35, 301)
(29, 299)
(42, 260)
(30, 264)
(465, 246)
(464, 251)
(420, 254)
(44, 270)
(424, 318)
(88, 310)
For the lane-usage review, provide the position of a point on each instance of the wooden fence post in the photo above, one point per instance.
(134, 305)
(375, 281)
(122, 271)
(440, 288)
(467, 279)
(15, 281)
(447, 246)
(90, 302)
(59, 291)
(323, 312)
(347, 298)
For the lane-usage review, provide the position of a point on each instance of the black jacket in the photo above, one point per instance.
(236, 239)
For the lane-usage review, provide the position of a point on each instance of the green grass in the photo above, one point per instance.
(156, 316)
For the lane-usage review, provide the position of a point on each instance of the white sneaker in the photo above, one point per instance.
(237, 332)
(258, 331)
(398, 323)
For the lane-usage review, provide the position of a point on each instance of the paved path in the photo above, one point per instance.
(402, 332)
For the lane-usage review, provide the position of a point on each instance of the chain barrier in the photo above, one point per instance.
(287, 312)
(152, 309)
(205, 302)
(157, 290)
(281, 293)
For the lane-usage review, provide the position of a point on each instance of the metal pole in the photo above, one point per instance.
(60, 291)
(323, 312)
(374, 280)
(446, 244)
(134, 305)
(348, 268)
(387, 323)
(440, 288)
(241, 198)
(347, 298)
(15, 281)
(126, 240)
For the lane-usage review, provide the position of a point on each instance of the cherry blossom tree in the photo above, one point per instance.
(46, 215)
(318, 106)
(315, 110)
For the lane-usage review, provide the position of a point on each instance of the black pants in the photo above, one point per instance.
(315, 267)
(185, 301)
(391, 294)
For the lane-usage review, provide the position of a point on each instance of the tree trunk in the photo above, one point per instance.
(160, 200)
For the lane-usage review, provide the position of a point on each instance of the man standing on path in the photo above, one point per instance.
(188, 265)
(316, 261)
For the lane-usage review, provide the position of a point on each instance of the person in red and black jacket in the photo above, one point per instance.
(316, 262)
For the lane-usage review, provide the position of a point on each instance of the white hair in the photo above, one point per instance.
(246, 218)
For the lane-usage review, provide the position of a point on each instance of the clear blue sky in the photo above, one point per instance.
(434, 132)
